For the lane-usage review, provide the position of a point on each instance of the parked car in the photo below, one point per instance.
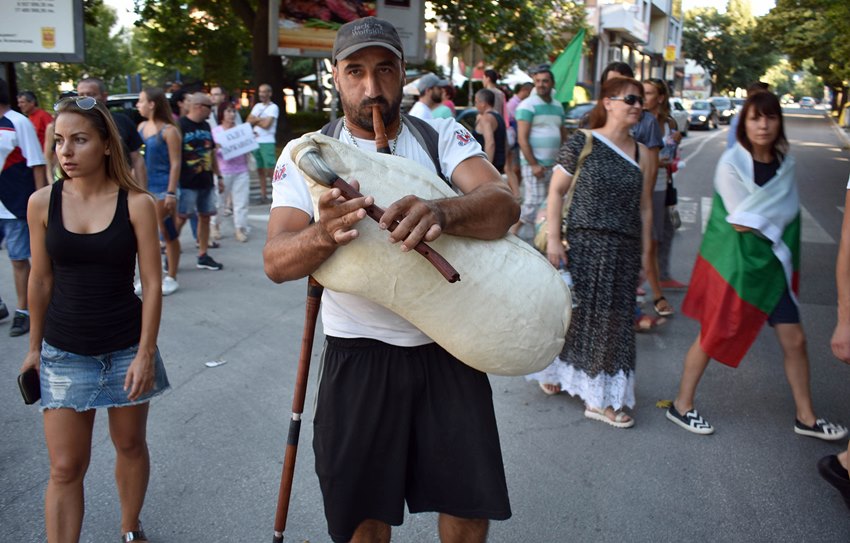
(725, 109)
(704, 115)
(124, 104)
(738, 103)
(575, 114)
(807, 102)
(680, 114)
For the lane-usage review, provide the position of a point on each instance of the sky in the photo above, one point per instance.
(759, 7)
(124, 8)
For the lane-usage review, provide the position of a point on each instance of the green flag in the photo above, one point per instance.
(565, 68)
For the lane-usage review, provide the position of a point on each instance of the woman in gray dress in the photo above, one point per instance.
(609, 222)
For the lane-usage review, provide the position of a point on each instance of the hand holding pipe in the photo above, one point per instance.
(311, 162)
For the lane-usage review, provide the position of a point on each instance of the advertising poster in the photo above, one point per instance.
(306, 28)
(41, 30)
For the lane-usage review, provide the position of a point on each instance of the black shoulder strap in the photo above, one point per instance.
(428, 139)
(424, 133)
(333, 128)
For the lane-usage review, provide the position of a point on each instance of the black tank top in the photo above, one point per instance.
(93, 309)
(500, 136)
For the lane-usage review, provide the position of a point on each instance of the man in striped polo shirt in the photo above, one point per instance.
(540, 131)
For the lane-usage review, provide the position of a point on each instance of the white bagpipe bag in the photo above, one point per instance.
(507, 315)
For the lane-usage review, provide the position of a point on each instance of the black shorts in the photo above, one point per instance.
(396, 424)
(785, 312)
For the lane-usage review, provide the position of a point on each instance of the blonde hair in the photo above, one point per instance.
(101, 120)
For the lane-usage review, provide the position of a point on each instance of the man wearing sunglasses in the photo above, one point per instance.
(96, 88)
(22, 174)
(198, 172)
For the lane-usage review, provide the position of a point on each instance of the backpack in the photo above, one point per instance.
(425, 135)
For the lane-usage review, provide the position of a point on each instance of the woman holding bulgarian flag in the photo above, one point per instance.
(746, 272)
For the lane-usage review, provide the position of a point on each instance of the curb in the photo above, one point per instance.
(842, 133)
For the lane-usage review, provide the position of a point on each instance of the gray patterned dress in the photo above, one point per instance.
(604, 232)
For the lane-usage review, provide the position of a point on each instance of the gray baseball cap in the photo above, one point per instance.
(428, 81)
(366, 32)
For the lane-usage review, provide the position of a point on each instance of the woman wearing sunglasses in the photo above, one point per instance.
(746, 271)
(163, 147)
(608, 224)
(92, 340)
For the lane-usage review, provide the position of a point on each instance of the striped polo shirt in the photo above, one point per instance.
(546, 119)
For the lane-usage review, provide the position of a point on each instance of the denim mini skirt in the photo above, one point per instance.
(83, 382)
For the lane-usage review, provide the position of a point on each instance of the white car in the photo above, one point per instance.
(680, 114)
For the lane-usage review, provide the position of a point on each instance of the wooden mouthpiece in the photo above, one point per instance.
(381, 140)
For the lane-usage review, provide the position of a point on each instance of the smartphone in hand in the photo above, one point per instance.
(30, 386)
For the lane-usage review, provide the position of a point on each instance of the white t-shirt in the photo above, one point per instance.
(21, 135)
(347, 315)
(261, 110)
(422, 111)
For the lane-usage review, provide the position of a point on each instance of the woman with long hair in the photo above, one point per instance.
(92, 340)
(746, 271)
(234, 173)
(609, 225)
(163, 146)
(658, 256)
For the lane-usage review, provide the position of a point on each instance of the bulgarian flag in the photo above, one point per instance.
(739, 277)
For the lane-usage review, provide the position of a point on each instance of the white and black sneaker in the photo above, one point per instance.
(822, 429)
(690, 421)
(206, 262)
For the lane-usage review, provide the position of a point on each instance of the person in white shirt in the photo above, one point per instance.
(263, 118)
(430, 96)
(394, 408)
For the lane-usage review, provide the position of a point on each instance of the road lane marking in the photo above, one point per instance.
(256, 217)
(810, 229)
(703, 141)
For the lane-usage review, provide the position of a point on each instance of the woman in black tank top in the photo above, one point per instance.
(91, 339)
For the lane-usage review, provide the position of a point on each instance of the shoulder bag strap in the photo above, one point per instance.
(568, 198)
(427, 138)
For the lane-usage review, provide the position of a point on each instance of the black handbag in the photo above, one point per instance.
(671, 198)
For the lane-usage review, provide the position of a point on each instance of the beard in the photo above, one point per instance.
(361, 113)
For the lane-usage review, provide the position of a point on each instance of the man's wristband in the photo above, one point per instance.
(170, 193)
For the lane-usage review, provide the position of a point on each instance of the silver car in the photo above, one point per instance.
(680, 114)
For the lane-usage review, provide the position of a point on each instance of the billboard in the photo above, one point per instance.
(306, 28)
(42, 31)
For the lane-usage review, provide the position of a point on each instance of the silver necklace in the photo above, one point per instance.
(354, 141)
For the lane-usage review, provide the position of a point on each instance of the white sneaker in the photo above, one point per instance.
(241, 236)
(137, 287)
(169, 285)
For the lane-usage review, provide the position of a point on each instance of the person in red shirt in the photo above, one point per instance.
(28, 104)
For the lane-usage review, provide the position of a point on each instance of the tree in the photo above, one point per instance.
(512, 32)
(726, 45)
(107, 57)
(815, 30)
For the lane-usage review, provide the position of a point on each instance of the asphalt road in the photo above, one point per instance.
(217, 437)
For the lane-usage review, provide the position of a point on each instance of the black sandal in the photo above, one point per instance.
(662, 312)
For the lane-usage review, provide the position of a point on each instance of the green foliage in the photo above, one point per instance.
(107, 56)
(523, 32)
(306, 121)
(202, 39)
(816, 30)
(727, 45)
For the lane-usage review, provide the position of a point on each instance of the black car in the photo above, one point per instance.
(704, 115)
(725, 108)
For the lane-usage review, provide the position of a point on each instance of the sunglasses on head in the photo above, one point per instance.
(629, 99)
(83, 102)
